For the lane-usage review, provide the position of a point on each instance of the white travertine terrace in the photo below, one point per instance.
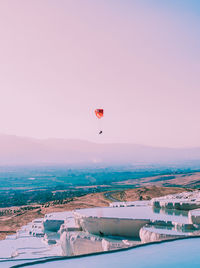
(53, 221)
(151, 234)
(183, 201)
(194, 216)
(27, 244)
(121, 225)
(130, 204)
(125, 221)
(69, 227)
(77, 243)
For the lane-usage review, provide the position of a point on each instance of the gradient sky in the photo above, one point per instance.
(139, 60)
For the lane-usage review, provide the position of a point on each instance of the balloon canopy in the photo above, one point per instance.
(99, 113)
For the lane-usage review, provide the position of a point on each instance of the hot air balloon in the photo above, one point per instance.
(99, 113)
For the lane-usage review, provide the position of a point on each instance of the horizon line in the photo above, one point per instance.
(101, 143)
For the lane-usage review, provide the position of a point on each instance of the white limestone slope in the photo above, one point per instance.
(124, 221)
(53, 221)
(194, 216)
(153, 233)
(78, 243)
(131, 204)
(86, 231)
(182, 201)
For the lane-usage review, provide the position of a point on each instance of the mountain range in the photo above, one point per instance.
(16, 150)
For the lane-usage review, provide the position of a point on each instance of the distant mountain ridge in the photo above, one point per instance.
(16, 150)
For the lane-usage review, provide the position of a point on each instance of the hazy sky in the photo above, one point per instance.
(139, 60)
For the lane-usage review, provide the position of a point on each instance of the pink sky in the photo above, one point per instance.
(59, 60)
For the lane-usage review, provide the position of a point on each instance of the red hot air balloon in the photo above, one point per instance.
(99, 113)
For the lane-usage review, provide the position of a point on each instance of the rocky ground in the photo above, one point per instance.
(146, 193)
(13, 218)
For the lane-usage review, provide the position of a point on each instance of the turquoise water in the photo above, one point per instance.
(146, 212)
(182, 253)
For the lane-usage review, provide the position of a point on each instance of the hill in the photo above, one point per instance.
(16, 150)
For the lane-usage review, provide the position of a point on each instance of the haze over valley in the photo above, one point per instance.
(16, 150)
